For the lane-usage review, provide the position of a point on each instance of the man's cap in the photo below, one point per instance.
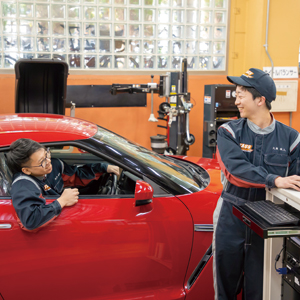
(257, 79)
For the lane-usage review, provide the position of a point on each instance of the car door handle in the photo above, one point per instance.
(5, 226)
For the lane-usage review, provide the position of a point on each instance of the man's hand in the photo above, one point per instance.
(113, 169)
(290, 182)
(69, 197)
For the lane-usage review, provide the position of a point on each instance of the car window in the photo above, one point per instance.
(161, 165)
(83, 160)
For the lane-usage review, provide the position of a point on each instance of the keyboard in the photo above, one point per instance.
(272, 213)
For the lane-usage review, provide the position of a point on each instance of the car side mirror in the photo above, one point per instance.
(143, 193)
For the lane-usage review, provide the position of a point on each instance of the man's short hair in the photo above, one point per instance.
(256, 94)
(20, 152)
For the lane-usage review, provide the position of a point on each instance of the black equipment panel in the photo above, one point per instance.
(100, 96)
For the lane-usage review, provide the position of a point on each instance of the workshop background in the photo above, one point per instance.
(246, 40)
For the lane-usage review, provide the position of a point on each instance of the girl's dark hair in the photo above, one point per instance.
(20, 152)
(256, 94)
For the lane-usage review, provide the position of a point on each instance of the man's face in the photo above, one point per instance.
(245, 103)
(39, 164)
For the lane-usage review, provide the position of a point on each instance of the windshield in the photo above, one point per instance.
(190, 177)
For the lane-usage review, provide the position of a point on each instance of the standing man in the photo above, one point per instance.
(254, 152)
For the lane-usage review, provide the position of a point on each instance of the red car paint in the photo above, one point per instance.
(106, 248)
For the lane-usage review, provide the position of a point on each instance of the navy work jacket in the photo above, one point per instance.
(252, 158)
(28, 192)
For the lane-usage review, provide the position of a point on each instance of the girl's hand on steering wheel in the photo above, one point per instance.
(113, 169)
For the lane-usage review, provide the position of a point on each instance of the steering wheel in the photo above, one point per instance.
(110, 186)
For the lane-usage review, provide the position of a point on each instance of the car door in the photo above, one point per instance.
(104, 247)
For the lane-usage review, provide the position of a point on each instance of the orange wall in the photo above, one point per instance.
(133, 122)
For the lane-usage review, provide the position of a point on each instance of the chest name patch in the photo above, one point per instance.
(47, 187)
(246, 148)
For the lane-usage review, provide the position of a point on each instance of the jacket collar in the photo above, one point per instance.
(256, 129)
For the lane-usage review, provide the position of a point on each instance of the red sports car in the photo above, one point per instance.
(145, 235)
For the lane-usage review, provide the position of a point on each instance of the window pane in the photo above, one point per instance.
(149, 31)
(134, 14)
(204, 47)
(26, 43)
(137, 2)
(205, 16)
(9, 26)
(120, 45)
(218, 48)
(163, 31)
(43, 44)
(134, 30)
(149, 46)
(162, 62)
(192, 16)
(89, 12)
(27, 55)
(59, 44)
(9, 9)
(105, 61)
(163, 15)
(73, 12)
(192, 3)
(149, 2)
(59, 28)
(42, 11)
(10, 59)
(89, 61)
(120, 30)
(74, 60)
(220, 3)
(191, 47)
(177, 47)
(89, 29)
(204, 62)
(42, 27)
(60, 56)
(58, 11)
(191, 62)
(105, 46)
(104, 13)
(191, 31)
(134, 46)
(89, 45)
(10, 43)
(205, 32)
(176, 62)
(104, 29)
(178, 3)
(219, 17)
(220, 32)
(43, 55)
(119, 1)
(163, 47)
(163, 2)
(134, 62)
(148, 62)
(120, 62)
(74, 29)
(74, 45)
(178, 16)
(206, 3)
(104, 1)
(149, 15)
(120, 14)
(218, 63)
(25, 10)
(177, 31)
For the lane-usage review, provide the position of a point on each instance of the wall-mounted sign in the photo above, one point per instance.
(282, 72)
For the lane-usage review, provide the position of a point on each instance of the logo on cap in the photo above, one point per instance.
(248, 74)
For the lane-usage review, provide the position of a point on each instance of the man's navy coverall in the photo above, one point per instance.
(28, 192)
(251, 159)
